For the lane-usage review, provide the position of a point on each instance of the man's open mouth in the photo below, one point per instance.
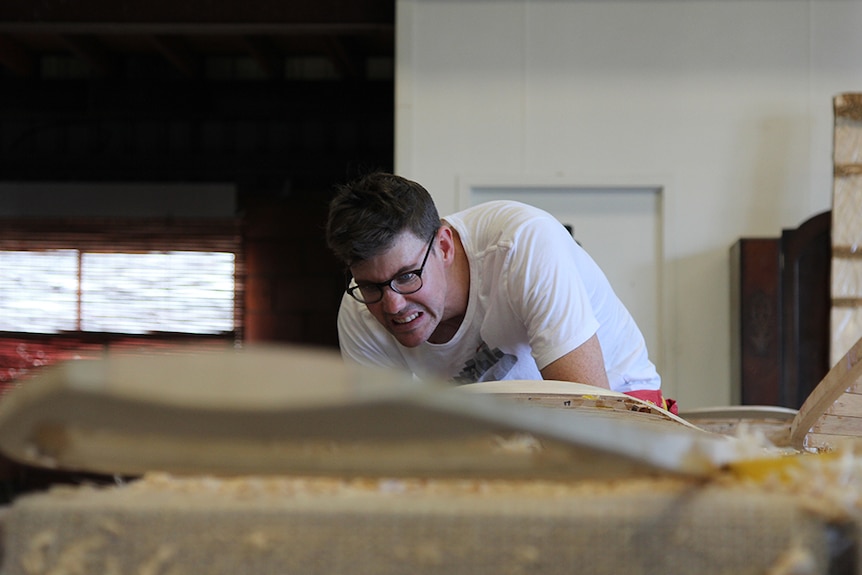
(407, 319)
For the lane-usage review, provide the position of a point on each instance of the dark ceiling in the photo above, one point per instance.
(103, 34)
(281, 97)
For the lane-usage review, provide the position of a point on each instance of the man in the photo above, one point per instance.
(497, 291)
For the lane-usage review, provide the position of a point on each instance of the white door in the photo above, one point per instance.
(621, 229)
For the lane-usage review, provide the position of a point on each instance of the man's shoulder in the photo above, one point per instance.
(501, 208)
(499, 219)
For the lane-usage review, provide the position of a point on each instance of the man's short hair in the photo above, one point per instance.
(367, 214)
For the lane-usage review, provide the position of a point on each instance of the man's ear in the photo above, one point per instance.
(446, 244)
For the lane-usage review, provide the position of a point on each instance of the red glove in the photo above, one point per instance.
(655, 397)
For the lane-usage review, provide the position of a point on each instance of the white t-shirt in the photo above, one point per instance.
(535, 295)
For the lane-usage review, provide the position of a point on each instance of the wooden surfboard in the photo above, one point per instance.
(772, 422)
(571, 395)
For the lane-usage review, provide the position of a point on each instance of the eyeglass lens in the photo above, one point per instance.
(404, 284)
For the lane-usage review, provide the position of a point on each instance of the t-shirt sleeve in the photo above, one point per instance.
(547, 291)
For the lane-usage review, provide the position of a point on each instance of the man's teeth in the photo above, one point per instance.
(407, 319)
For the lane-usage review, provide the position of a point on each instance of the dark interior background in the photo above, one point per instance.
(284, 99)
(281, 99)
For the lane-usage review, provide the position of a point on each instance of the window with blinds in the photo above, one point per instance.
(129, 277)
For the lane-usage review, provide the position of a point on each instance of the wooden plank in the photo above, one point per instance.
(323, 14)
(849, 404)
(844, 374)
(838, 425)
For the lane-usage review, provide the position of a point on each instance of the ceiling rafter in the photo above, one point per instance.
(121, 12)
(111, 36)
(176, 51)
(269, 60)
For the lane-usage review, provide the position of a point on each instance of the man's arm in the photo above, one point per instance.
(584, 364)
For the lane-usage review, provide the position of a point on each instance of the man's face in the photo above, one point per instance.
(411, 318)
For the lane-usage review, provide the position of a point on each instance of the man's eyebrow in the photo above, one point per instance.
(401, 270)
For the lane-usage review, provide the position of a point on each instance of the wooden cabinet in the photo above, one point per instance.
(780, 296)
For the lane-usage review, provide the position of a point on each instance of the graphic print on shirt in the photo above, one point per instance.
(487, 365)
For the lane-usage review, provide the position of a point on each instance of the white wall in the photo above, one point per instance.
(727, 104)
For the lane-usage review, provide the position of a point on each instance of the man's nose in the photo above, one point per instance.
(392, 301)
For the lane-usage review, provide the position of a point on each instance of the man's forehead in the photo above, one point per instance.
(398, 257)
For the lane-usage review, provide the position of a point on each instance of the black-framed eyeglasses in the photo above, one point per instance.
(404, 283)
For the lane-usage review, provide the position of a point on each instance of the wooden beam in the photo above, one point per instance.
(17, 59)
(202, 29)
(344, 57)
(217, 11)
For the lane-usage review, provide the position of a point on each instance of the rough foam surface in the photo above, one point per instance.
(167, 525)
